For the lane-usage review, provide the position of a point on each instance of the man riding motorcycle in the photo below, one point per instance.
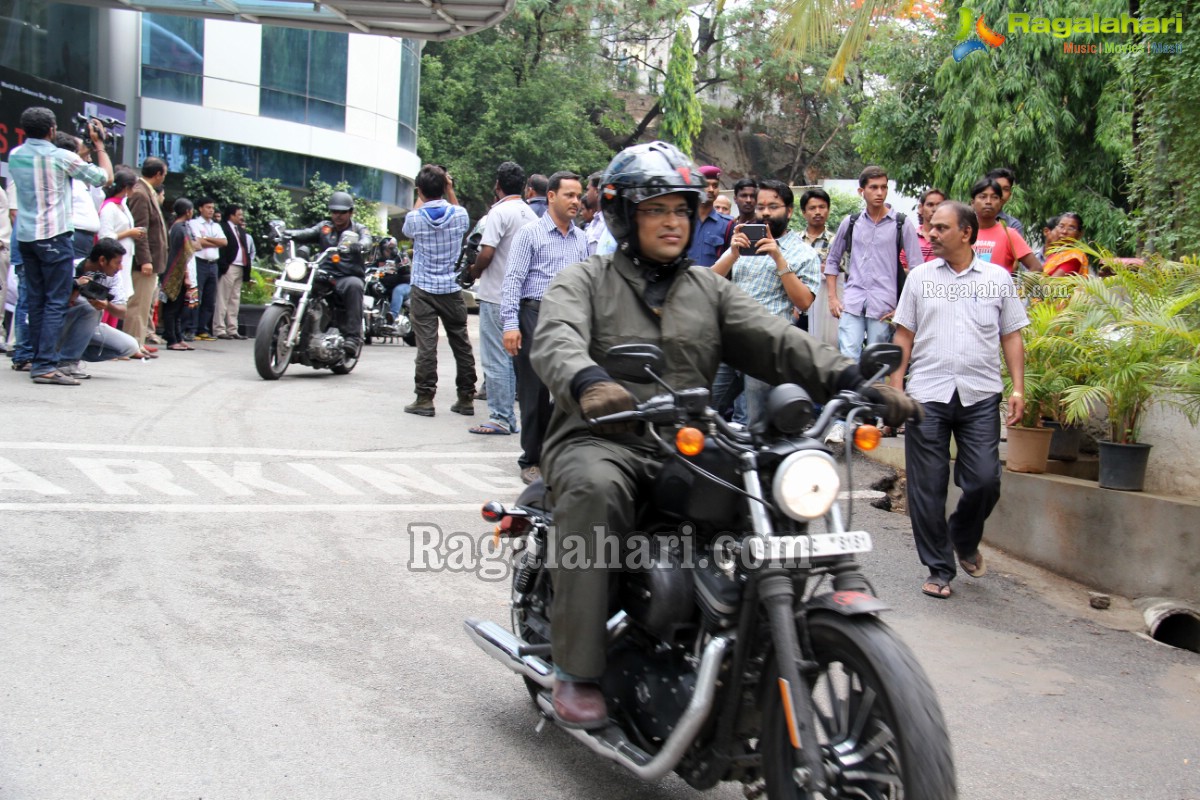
(348, 272)
(646, 292)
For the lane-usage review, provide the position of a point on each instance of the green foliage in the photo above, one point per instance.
(261, 290)
(682, 116)
(531, 90)
(1134, 337)
(841, 205)
(262, 201)
(1062, 123)
(1165, 178)
(314, 206)
(1054, 360)
(897, 127)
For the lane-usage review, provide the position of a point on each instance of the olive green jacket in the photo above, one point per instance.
(705, 320)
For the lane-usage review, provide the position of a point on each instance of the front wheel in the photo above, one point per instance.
(880, 725)
(272, 350)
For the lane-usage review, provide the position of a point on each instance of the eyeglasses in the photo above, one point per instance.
(658, 212)
(772, 208)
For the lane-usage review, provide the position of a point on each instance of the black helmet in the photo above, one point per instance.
(641, 172)
(341, 201)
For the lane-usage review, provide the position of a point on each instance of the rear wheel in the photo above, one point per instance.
(347, 364)
(272, 351)
(881, 728)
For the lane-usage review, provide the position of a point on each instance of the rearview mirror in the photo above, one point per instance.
(879, 357)
(635, 363)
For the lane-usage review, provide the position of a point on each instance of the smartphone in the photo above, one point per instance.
(754, 232)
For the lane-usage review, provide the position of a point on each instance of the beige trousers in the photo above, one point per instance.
(137, 313)
(229, 301)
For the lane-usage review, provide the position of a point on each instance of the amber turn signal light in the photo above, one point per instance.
(279, 248)
(689, 441)
(867, 437)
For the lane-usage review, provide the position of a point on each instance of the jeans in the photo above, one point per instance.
(399, 295)
(852, 328)
(976, 429)
(49, 273)
(755, 395)
(22, 347)
(206, 280)
(84, 337)
(83, 241)
(498, 371)
(727, 389)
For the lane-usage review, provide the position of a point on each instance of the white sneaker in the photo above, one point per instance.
(837, 434)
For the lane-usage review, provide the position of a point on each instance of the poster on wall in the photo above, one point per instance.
(19, 91)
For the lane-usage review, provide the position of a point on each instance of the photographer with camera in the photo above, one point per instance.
(85, 217)
(42, 174)
(96, 292)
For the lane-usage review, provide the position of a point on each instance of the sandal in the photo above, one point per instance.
(974, 566)
(490, 429)
(179, 346)
(21, 366)
(936, 587)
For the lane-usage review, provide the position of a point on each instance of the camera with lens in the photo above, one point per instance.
(94, 288)
(112, 139)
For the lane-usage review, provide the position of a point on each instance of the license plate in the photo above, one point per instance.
(790, 550)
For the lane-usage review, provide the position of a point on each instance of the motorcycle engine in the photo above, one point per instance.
(652, 687)
(659, 598)
(326, 347)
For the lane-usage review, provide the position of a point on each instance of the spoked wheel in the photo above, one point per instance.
(881, 728)
(530, 614)
(272, 351)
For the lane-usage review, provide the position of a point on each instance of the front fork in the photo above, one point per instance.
(777, 594)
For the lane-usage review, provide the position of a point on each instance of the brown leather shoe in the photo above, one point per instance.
(579, 705)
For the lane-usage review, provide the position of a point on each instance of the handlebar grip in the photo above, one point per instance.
(620, 416)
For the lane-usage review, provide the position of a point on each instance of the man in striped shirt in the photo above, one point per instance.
(539, 252)
(42, 174)
(955, 316)
(437, 225)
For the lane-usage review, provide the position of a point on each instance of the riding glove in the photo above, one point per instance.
(897, 406)
(604, 398)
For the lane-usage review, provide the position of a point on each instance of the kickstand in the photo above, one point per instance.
(541, 726)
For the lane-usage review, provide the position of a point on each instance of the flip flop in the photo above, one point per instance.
(489, 429)
(975, 568)
(936, 587)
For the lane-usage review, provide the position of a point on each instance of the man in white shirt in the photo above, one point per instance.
(209, 239)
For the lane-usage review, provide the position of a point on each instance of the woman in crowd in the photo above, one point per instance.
(1064, 259)
(176, 281)
(117, 223)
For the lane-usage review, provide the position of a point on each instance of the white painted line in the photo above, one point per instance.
(862, 494)
(252, 508)
(252, 451)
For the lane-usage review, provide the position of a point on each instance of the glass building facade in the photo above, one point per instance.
(52, 41)
(304, 76)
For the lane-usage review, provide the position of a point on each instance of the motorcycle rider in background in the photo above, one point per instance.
(646, 292)
(348, 272)
(389, 251)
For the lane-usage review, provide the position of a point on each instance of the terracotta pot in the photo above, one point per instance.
(1028, 449)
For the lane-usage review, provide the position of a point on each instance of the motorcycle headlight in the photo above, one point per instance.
(806, 484)
(296, 269)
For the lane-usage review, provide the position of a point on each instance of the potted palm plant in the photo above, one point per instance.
(1048, 374)
(1135, 337)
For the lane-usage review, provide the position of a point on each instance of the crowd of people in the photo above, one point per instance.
(71, 218)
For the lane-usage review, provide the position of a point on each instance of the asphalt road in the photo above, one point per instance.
(207, 591)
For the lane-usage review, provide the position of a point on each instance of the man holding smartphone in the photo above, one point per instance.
(778, 269)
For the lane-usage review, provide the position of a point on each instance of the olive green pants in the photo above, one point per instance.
(593, 482)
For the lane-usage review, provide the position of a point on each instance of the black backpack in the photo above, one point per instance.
(900, 273)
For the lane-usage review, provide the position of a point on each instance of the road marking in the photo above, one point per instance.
(252, 508)
(16, 478)
(318, 475)
(401, 479)
(449, 455)
(245, 474)
(115, 476)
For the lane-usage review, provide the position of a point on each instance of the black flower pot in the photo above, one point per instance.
(248, 317)
(1123, 466)
(1064, 444)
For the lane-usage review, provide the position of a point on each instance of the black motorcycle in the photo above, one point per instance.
(378, 320)
(301, 324)
(757, 656)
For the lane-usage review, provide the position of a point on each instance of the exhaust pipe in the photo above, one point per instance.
(505, 647)
(1173, 622)
(611, 742)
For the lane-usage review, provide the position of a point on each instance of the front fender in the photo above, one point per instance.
(846, 603)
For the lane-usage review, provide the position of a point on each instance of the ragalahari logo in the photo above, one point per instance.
(973, 34)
